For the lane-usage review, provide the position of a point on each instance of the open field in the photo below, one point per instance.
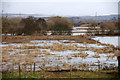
(47, 54)
(60, 39)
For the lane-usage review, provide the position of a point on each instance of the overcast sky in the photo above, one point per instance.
(60, 0)
(61, 7)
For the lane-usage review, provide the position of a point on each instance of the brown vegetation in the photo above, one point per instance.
(24, 39)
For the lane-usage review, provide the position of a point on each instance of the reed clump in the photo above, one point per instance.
(83, 55)
(96, 56)
(103, 50)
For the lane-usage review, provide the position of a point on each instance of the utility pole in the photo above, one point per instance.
(20, 15)
(6, 15)
(2, 13)
(96, 16)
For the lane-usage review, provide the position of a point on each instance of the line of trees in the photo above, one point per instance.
(33, 25)
(29, 26)
(11, 26)
(105, 28)
(60, 26)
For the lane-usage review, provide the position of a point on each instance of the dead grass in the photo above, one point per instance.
(32, 52)
(96, 56)
(26, 39)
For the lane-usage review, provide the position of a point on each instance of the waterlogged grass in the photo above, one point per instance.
(16, 75)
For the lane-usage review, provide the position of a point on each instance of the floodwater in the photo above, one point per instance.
(69, 53)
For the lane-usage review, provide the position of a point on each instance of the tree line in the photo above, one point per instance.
(28, 26)
(55, 25)
(106, 28)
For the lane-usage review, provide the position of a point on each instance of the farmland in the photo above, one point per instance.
(59, 39)
(63, 54)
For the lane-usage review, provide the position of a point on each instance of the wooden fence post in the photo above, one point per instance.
(118, 64)
(34, 69)
(44, 70)
(25, 70)
(19, 71)
(70, 71)
(13, 68)
(31, 68)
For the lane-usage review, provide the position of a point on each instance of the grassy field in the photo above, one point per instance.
(75, 74)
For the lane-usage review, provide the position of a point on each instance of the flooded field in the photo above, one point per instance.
(54, 55)
(114, 40)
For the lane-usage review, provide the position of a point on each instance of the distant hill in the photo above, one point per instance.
(10, 15)
(95, 18)
(73, 18)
